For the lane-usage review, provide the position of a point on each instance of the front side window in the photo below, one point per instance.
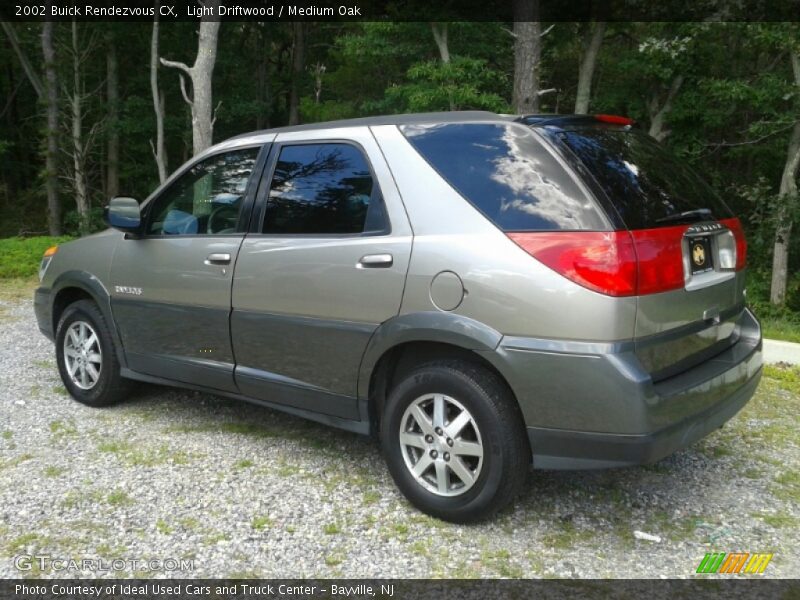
(207, 198)
(323, 189)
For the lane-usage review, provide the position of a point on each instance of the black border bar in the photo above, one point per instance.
(401, 10)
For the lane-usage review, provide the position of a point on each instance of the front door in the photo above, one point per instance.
(171, 288)
(324, 267)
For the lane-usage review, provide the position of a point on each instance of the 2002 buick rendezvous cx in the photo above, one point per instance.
(485, 292)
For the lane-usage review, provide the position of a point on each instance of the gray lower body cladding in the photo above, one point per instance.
(589, 405)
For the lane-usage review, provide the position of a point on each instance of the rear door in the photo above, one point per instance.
(325, 264)
(690, 248)
(171, 288)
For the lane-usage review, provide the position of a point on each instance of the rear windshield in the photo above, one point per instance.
(507, 174)
(648, 186)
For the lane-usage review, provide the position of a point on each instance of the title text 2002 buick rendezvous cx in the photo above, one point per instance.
(485, 292)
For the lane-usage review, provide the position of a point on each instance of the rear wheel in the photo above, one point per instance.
(454, 441)
(87, 359)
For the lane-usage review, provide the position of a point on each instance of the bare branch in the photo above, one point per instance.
(509, 32)
(183, 89)
(757, 140)
(547, 91)
(177, 65)
(546, 31)
(216, 108)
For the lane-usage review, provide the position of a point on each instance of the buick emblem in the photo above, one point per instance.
(699, 254)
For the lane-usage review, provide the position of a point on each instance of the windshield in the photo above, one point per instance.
(648, 186)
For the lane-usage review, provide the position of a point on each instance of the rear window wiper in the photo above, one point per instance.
(693, 215)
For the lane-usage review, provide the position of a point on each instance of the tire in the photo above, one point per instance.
(493, 422)
(96, 381)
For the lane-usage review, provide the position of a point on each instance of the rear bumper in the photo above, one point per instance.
(592, 405)
(561, 449)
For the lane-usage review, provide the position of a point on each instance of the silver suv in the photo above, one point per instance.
(484, 292)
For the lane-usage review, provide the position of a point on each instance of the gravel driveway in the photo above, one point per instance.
(238, 490)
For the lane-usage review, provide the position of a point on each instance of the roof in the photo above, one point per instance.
(404, 119)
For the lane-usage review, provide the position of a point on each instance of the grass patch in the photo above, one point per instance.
(788, 377)
(332, 529)
(143, 457)
(788, 486)
(22, 256)
(119, 498)
(778, 520)
(60, 429)
(13, 462)
(371, 497)
(163, 527)
(53, 471)
(500, 562)
(7, 434)
(244, 464)
(786, 328)
(21, 542)
(261, 522)
(14, 290)
(60, 390)
(333, 560)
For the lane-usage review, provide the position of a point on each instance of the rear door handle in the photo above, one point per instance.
(218, 259)
(375, 261)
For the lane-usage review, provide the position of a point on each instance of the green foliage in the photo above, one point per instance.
(730, 118)
(20, 257)
(462, 84)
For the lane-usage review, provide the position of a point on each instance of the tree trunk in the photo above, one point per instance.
(788, 201)
(527, 52)
(200, 75)
(47, 92)
(51, 156)
(76, 105)
(586, 68)
(159, 151)
(262, 87)
(298, 58)
(659, 113)
(112, 94)
(33, 76)
(440, 37)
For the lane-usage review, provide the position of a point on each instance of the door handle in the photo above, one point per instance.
(375, 261)
(218, 259)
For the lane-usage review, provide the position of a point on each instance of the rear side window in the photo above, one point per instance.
(646, 184)
(323, 189)
(505, 172)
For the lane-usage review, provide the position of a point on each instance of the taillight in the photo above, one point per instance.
(615, 263)
(741, 242)
(601, 261)
(660, 254)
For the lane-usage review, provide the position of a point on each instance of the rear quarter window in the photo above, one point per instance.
(505, 172)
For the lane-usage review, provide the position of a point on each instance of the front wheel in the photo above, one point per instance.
(454, 441)
(86, 357)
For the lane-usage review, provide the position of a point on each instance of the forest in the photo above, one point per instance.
(89, 111)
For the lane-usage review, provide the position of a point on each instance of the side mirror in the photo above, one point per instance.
(123, 214)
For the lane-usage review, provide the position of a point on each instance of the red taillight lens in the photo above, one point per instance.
(741, 242)
(615, 263)
(601, 261)
(660, 254)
